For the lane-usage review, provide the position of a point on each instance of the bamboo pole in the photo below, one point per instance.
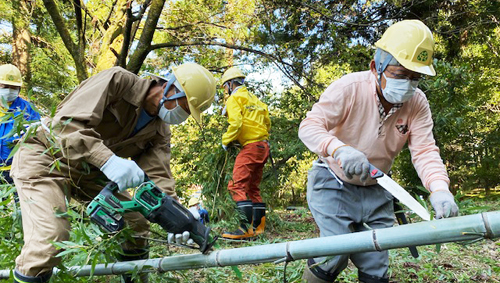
(464, 228)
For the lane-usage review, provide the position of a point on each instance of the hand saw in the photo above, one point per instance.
(399, 192)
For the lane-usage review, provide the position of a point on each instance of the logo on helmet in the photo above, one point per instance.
(423, 56)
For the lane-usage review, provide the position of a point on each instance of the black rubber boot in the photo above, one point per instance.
(259, 218)
(365, 278)
(136, 254)
(19, 278)
(245, 208)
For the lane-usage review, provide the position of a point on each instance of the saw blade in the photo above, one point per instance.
(403, 196)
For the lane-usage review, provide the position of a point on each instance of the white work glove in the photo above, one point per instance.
(125, 173)
(353, 162)
(224, 147)
(444, 204)
(183, 239)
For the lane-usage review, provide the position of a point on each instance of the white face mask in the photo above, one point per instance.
(174, 116)
(398, 90)
(9, 94)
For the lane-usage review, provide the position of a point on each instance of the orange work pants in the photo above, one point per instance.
(247, 172)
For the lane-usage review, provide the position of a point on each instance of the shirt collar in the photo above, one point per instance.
(394, 108)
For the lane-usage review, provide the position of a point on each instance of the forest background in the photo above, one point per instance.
(292, 50)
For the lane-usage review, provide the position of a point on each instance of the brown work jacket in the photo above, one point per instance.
(94, 122)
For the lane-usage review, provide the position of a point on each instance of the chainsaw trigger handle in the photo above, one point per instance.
(110, 186)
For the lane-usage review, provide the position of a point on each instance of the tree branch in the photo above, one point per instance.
(275, 59)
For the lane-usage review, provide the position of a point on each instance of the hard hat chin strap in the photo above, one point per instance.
(381, 66)
(170, 82)
(231, 84)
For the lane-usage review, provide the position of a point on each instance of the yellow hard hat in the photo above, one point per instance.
(193, 201)
(198, 84)
(10, 75)
(231, 73)
(411, 43)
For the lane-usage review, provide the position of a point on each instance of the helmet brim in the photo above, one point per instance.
(10, 83)
(195, 113)
(158, 78)
(419, 68)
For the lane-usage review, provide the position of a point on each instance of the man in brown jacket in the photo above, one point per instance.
(107, 119)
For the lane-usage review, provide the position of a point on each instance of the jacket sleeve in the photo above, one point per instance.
(78, 115)
(156, 164)
(425, 154)
(32, 114)
(234, 108)
(327, 113)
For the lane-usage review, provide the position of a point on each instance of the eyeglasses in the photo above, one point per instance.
(404, 77)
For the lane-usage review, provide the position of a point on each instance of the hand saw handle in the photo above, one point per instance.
(401, 217)
(375, 172)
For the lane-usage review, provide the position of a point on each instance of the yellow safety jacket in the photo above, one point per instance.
(248, 118)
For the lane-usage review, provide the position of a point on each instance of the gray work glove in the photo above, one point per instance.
(444, 204)
(224, 147)
(353, 162)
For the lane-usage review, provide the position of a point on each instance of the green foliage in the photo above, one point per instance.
(10, 219)
(459, 98)
(311, 43)
(88, 245)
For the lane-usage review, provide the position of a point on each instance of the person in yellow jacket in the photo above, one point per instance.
(113, 126)
(249, 124)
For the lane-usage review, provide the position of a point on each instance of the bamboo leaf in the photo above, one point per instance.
(237, 272)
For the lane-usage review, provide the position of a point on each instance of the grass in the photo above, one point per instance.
(451, 262)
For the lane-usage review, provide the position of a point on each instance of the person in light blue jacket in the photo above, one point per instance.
(11, 105)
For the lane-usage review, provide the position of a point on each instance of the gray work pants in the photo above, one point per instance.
(343, 208)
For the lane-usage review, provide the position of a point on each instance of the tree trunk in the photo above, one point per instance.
(77, 51)
(21, 40)
(143, 47)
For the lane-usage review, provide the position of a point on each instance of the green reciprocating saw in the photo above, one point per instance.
(107, 211)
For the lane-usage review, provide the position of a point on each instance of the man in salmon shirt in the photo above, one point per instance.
(249, 125)
(367, 117)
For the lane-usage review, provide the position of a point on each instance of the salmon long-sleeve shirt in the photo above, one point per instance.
(348, 113)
